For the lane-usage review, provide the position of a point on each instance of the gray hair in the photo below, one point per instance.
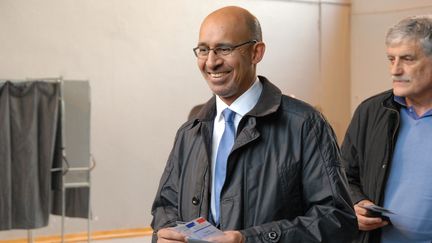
(255, 28)
(416, 28)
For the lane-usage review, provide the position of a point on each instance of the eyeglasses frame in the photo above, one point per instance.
(232, 48)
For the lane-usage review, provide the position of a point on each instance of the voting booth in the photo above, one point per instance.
(45, 156)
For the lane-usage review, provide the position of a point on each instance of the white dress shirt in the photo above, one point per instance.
(240, 106)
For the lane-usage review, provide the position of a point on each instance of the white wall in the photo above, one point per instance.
(138, 57)
(370, 22)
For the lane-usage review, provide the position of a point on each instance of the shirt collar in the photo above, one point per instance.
(401, 100)
(242, 104)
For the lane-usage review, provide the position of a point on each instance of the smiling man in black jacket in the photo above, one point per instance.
(259, 165)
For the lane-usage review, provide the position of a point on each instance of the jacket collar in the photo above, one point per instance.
(389, 101)
(269, 100)
(268, 103)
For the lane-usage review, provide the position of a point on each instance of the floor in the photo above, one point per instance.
(126, 240)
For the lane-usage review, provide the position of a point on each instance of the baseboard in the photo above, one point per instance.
(82, 237)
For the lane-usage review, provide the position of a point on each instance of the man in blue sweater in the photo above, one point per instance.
(387, 151)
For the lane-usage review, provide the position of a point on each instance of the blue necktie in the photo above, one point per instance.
(225, 146)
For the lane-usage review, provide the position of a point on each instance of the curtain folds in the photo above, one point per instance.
(30, 146)
(28, 127)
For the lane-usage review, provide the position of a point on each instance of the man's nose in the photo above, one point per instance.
(396, 68)
(213, 60)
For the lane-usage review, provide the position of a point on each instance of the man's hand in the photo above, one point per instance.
(228, 237)
(169, 235)
(367, 223)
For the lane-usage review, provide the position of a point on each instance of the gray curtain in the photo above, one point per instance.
(77, 202)
(28, 129)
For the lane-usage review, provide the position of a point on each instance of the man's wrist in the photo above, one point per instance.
(242, 237)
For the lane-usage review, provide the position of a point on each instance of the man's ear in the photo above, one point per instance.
(258, 52)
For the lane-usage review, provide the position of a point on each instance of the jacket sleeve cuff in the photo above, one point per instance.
(358, 197)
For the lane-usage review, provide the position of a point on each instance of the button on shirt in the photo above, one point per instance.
(241, 106)
(410, 109)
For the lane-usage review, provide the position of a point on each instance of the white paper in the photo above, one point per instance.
(198, 229)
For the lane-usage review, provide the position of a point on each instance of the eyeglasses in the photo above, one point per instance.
(203, 51)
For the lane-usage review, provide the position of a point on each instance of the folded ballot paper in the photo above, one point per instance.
(377, 211)
(198, 230)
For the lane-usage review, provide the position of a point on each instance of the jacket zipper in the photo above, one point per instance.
(386, 163)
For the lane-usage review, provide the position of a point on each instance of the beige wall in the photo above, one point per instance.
(369, 23)
(138, 58)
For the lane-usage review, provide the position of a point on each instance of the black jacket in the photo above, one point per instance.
(284, 179)
(367, 151)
